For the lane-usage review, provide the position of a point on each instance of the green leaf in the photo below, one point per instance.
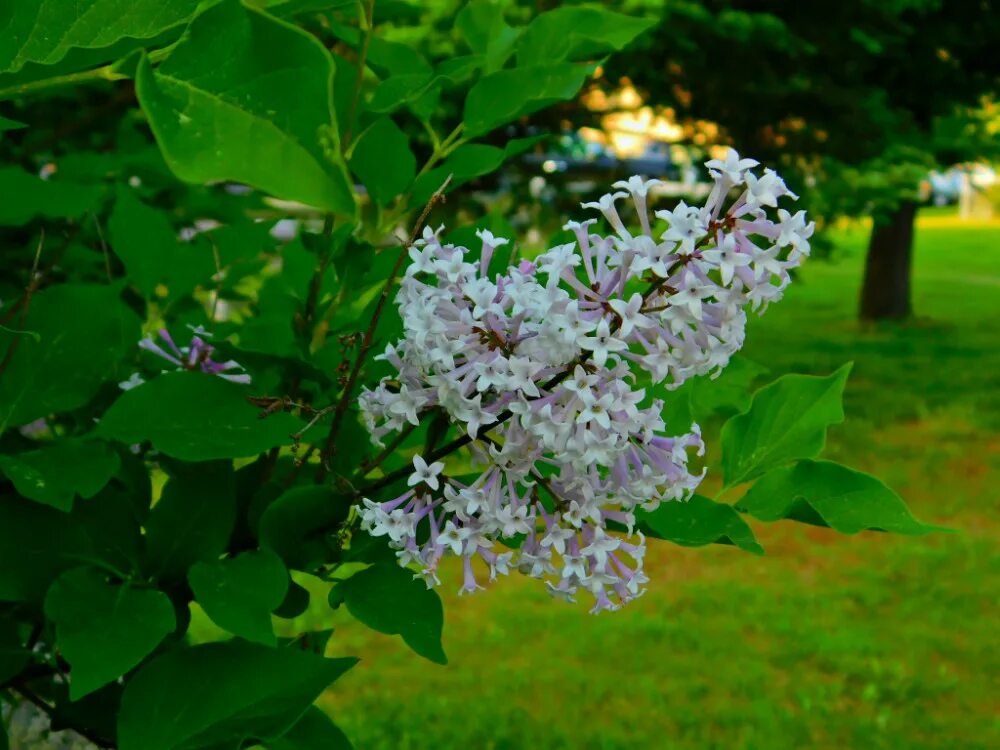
(56, 474)
(240, 593)
(468, 161)
(75, 353)
(150, 250)
(698, 399)
(8, 124)
(394, 92)
(217, 98)
(698, 522)
(221, 693)
(312, 641)
(508, 94)
(27, 196)
(194, 416)
(300, 526)
(296, 601)
(577, 33)
(824, 493)
(386, 58)
(383, 161)
(787, 420)
(44, 31)
(484, 29)
(314, 731)
(103, 629)
(37, 543)
(387, 598)
(112, 522)
(192, 520)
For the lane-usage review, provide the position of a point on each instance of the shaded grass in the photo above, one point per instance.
(870, 641)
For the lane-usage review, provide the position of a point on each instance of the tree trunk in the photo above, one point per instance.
(885, 293)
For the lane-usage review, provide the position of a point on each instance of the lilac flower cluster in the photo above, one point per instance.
(538, 366)
(195, 356)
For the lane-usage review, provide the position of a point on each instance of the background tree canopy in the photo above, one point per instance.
(864, 95)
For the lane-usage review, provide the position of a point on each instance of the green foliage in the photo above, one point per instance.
(56, 475)
(71, 355)
(297, 526)
(508, 94)
(216, 99)
(314, 730)
(577, 33)
(824, 493)
(389, 599)
(382, 160)
(172, 410)
(240, 593)
(138, 487)
(192, 521)
(43, 32)
(36, 544)
(204, 696)
(150, 251)
(698, 522)
(30, 197)
(786, 420)
(104, 629)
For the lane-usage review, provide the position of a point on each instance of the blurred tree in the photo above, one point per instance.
(864, 96)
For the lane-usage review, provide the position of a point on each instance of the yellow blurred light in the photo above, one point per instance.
(628, 97)
(549, 166)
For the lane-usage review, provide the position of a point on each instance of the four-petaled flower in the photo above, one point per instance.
(424, 474)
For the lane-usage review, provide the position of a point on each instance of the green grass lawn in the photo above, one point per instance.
(827, 641)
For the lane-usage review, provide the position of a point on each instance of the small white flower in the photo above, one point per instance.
(629, 314)
(732, 167)
(424, 474)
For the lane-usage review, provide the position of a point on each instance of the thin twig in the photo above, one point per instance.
(369, 336)
(32, 287)
(316, 283)
(297, 436)
(299, 465)
(41, 276)
(104, 245)
(374, 463)
(218, 282)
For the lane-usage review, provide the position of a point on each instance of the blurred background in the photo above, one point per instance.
(882, 115)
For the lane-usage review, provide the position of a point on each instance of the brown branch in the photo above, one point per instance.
(369, 466)
(369, 336)
(316, 283)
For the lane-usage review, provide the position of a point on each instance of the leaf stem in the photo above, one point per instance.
(33, 283)
(104, 73)
(359, 79)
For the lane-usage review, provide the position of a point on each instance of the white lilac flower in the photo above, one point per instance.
(732, 168)
(424, 473)
(540, 364)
